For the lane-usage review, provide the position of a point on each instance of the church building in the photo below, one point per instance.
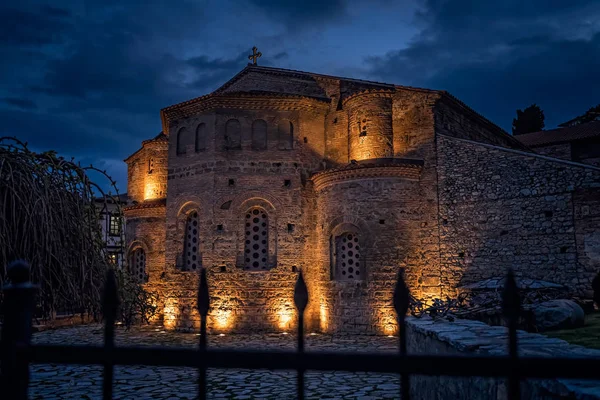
(349, 181)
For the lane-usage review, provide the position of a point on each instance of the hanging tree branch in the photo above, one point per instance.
(48, 217)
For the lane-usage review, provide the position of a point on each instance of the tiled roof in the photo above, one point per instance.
(161, 137)
(292, 82)
(561, 135)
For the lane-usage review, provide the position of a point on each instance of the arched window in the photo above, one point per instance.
(256, 247)
(285, 135)
(259, 135)
(201, 137)
(346, 256)
(191, 247)
(362, 124)
(233, 134)
(183, 139)
(137, 265)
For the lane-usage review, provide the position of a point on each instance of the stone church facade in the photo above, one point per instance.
(279, 171)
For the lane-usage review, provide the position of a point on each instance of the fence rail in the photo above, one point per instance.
(17, 352)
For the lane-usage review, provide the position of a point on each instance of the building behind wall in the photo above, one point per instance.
(579, 143)
(113, 226)
(349, 181)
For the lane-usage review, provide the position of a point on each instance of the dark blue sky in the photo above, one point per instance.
(87, 78)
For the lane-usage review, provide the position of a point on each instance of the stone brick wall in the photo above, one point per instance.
(396, 229)
(147, 171)
(504, 209)
(463, 337)
(221, 185)
(561, 150)
(413, 124)
(453, 118)
(370, 126)
(145, 228)
(446, 210)
(586, 208)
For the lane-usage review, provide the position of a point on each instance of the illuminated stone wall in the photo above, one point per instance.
(147, 171)
(145, 228)
(503, 209)
(222, 185)
(397, 230)
(370, 126)
(365, 159)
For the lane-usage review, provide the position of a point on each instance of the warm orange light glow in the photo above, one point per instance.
(223, 319)
(151, 191)
(285, 317)
(390, 329)
(170, 313)
(324, 323)
(386, 317)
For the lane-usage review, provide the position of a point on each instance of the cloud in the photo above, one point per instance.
(27, 27)
(297, 14)
(88, 80)
(19, 103)
(498, 57)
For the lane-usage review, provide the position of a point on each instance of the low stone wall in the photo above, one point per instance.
(464, 337)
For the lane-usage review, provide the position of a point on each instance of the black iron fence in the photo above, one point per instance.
(17, 352)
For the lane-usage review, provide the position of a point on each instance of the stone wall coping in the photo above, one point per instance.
(480, 338)
(403, 168)
(258, 100)
(523, 153)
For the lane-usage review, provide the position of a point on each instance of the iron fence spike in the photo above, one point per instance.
(110, 301)
(401, 296)
(18, 271)
(203, 298)
(300, 293)
(511, 302)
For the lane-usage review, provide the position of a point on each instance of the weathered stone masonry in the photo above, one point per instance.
(279, 171)
(505, 209)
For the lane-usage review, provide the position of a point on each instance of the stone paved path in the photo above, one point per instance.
(143, 382)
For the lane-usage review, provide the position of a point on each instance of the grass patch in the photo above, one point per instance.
(588, 335)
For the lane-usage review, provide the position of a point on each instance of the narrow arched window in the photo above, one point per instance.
(137, 265)
(256, 247)
(191, 246)
(259, 135)
(183, 139)
(233, 134)
(346, 256)
(362, 124)
(201, 137)
(285, 135)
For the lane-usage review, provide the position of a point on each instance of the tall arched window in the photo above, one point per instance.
(233, 134)
(201, 137)
(256, 247)
(137, 265)
(259, 135)
(191, 247)
(183, 139)
(285, 135)
(346, 256)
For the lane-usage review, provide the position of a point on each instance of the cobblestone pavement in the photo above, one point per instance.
(143, 382)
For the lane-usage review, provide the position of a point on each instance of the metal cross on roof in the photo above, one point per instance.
(255, 55)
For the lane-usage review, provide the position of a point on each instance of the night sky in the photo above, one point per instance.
(87, 78)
